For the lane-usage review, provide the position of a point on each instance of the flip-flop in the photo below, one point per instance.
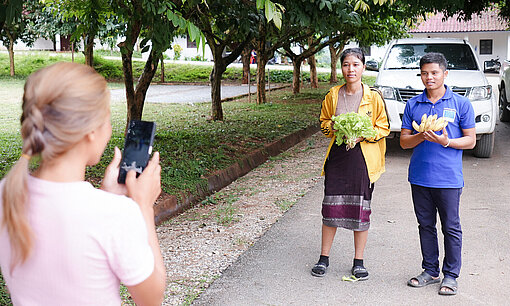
(423, 280)
(319, 269)
(360, 273)
(449, 283)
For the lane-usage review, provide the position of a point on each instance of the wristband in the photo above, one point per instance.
(446, 145)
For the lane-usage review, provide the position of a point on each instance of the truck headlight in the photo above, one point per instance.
(480, 93)
(388, 92)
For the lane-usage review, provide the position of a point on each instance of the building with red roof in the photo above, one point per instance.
(486, 32)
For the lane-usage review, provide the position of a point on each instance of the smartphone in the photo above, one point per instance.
(137, 148)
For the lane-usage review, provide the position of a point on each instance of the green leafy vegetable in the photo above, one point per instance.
(350, 126)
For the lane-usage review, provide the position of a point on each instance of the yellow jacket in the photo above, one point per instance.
(372, 104)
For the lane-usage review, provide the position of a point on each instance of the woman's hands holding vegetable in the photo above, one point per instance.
(331, 126)
(332, 123)
(352, 128)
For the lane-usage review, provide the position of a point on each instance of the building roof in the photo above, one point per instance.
(487, 21)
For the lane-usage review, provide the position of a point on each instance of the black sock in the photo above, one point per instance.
(324, 260)
(358, 262)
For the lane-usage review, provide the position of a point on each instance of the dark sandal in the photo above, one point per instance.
(360, 273)
(423, 280)
(319, 269)
(449, 283)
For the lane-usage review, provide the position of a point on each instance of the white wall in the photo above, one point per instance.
(189, 52)
(39, 44)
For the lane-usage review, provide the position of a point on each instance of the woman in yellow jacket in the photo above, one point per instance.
(350, 174)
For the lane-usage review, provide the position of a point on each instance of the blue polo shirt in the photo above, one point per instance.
(431, 164)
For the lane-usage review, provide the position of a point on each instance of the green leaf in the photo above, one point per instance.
(328, 4)
(278, 20)
(260, 4)
(270, 10)
(280, 7)
(193, 31)
(144, 42)
(358, 3)
(146, 48)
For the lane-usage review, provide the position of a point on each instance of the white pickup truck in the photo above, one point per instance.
(504, 93)
(399, 80)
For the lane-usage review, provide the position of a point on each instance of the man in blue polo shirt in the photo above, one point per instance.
(435, 170)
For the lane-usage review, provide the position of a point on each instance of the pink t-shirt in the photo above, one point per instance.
(87, 241)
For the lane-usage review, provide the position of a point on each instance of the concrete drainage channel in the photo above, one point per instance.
(171, 205)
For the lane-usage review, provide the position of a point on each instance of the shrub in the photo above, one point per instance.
(198, 58)
(177, 51)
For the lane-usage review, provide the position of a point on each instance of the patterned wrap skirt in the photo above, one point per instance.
(347, 189)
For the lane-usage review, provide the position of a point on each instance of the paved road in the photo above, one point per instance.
(186, 93)
(276, 270)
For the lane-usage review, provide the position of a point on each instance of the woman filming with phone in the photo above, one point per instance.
(62, 241)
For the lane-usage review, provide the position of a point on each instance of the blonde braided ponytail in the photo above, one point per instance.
(61, 104)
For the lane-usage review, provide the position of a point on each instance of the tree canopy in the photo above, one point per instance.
(226, 26)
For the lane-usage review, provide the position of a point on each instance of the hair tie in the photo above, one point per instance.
(26, 156)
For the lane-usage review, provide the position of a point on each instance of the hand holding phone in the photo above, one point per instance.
(111, 175)
(145, 189)
(137, 148)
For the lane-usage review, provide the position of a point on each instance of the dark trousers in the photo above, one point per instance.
(428, 202)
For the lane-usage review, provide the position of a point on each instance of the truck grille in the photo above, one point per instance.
(404, 94)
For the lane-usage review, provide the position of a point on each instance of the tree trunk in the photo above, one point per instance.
(220, 65)
(216, 74)
(89, 50)
(215, 78)
(261, 77)
(296, 76)
(333, 78)
(262, 58)
(11, 52)
(245, 56)
(162, 70)
(314, 80)
(135, 110)
(335, 55)
(127, 47)
(127, 68)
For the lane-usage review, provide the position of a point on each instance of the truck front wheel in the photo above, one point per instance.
(484, 146)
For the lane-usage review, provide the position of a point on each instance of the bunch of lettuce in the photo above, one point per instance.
(350, 126)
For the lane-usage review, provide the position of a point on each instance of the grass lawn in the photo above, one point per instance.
(191, 147)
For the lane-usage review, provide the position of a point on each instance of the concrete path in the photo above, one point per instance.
(276, 270)
(187, 93)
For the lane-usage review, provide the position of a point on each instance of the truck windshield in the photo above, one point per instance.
(407, 56)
